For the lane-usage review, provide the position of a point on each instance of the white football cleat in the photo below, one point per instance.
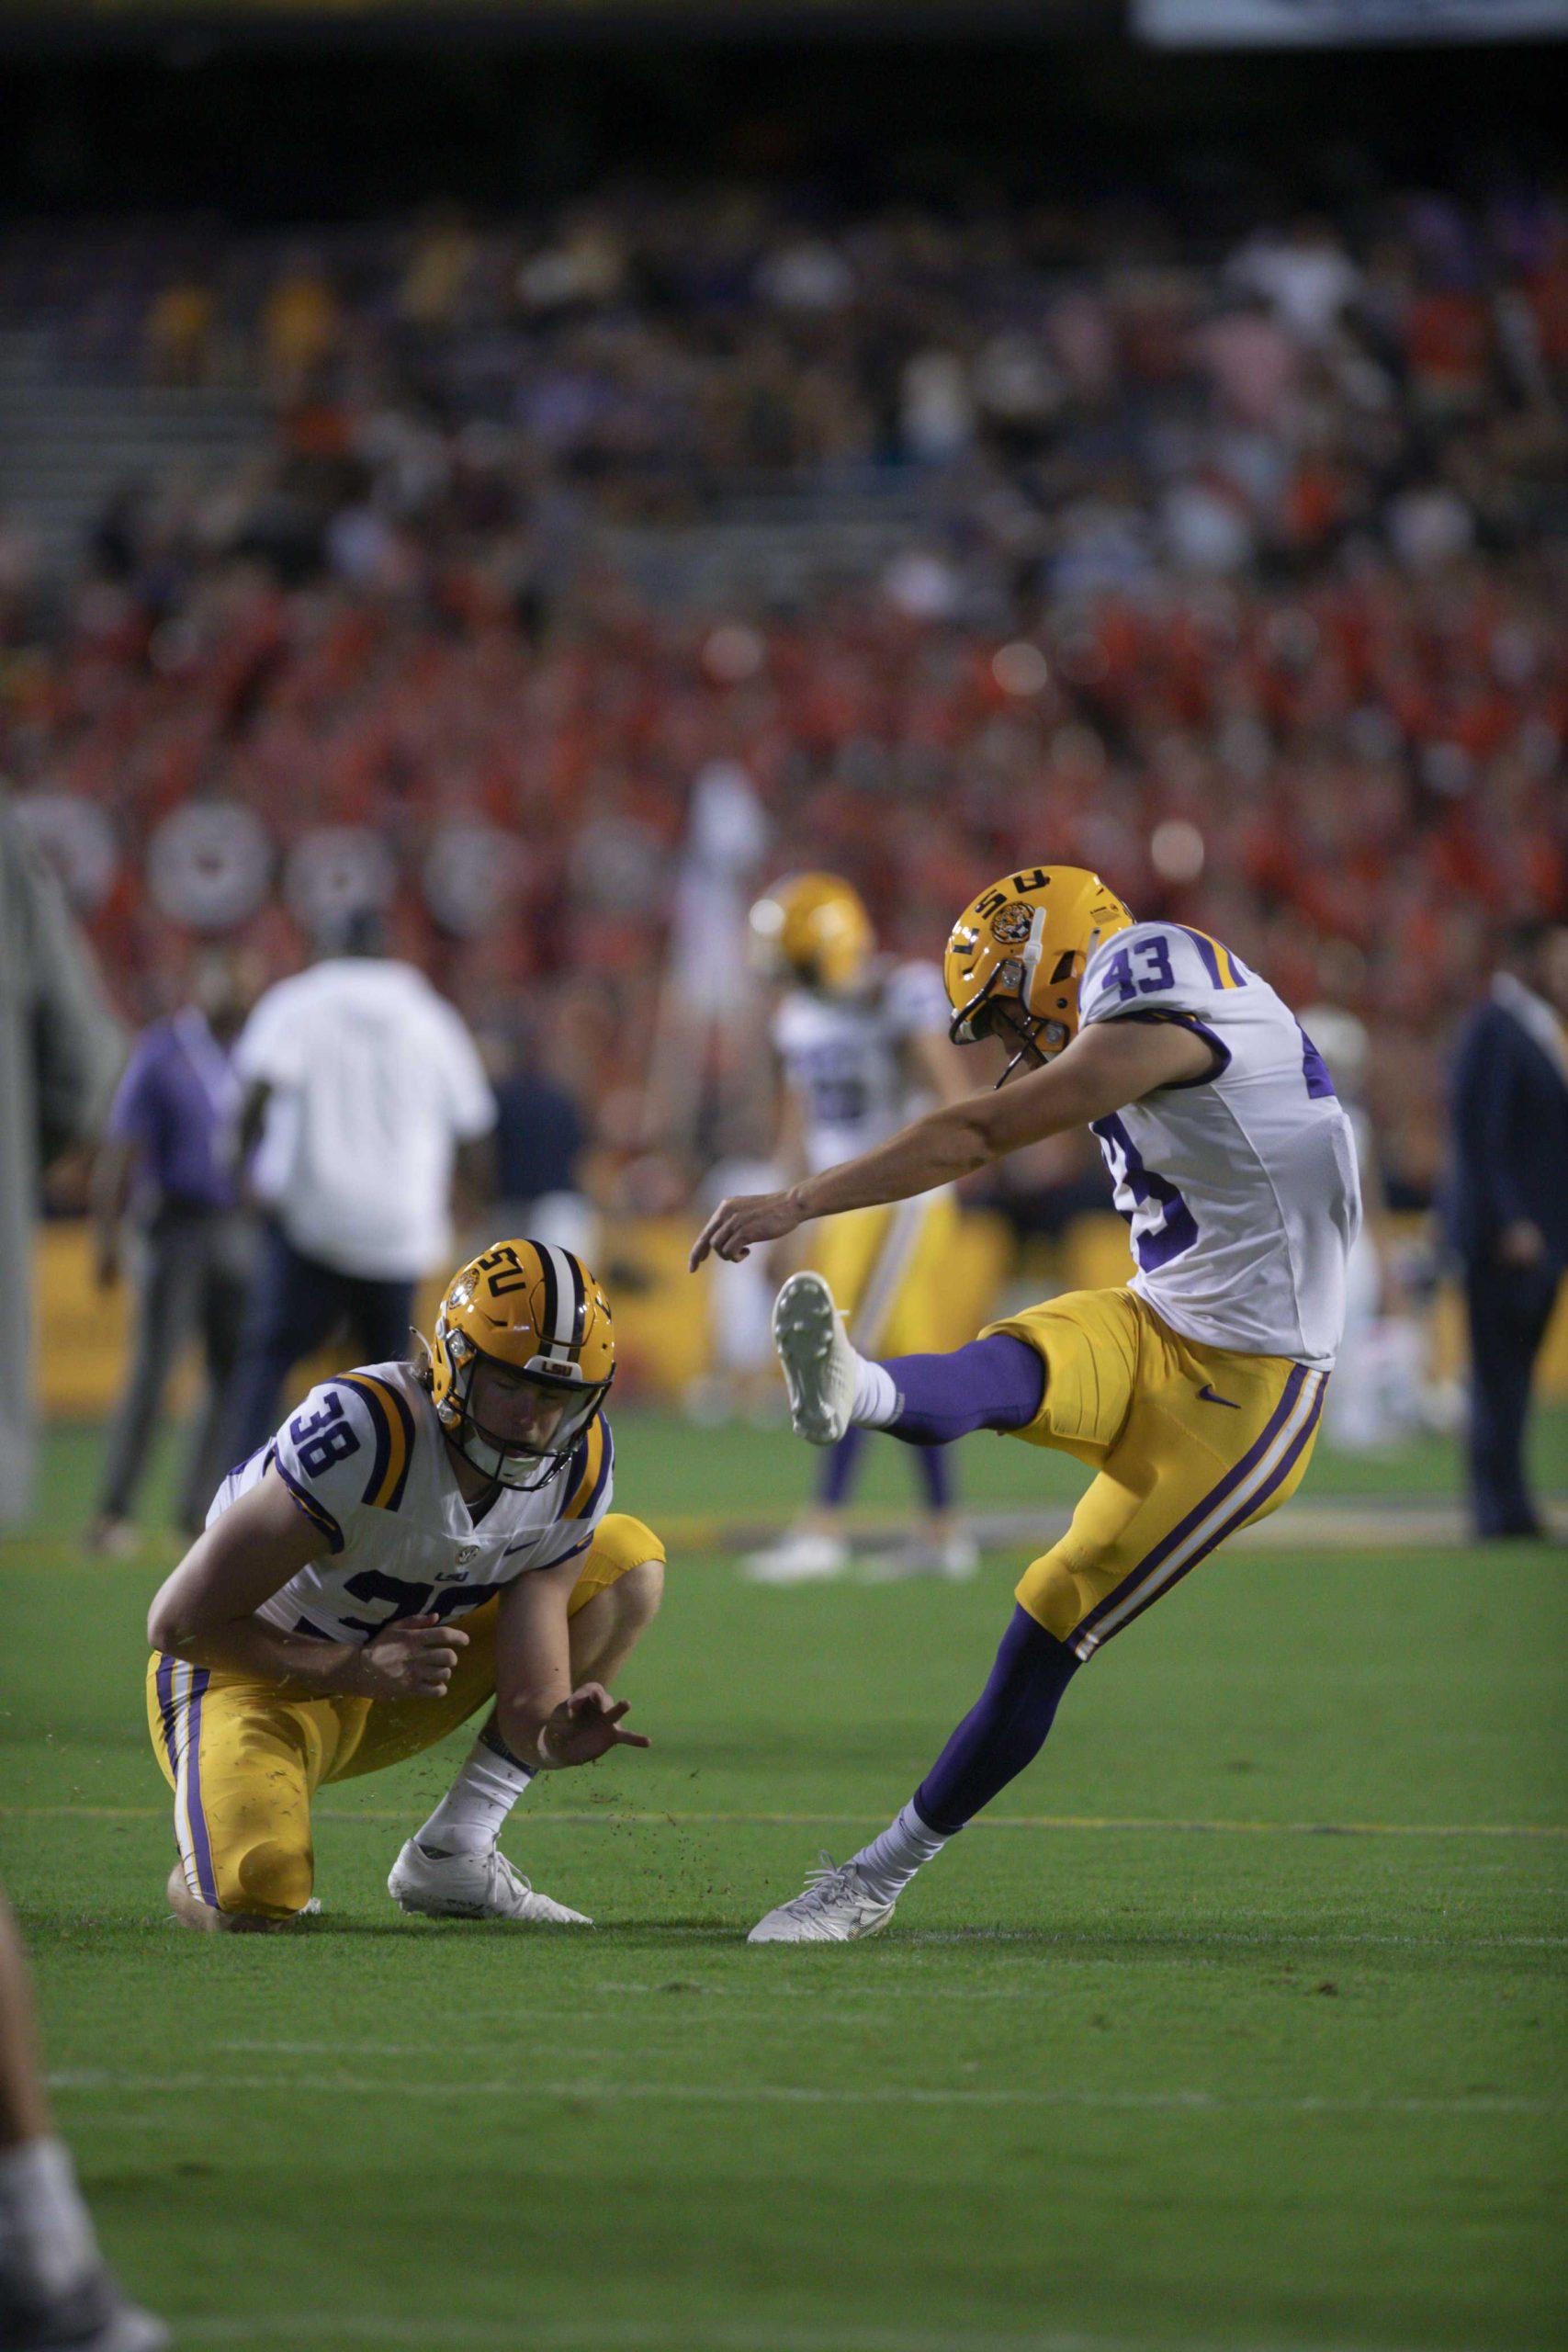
(818, 1361)
(953, 1560)
(800, 1558)
(91, 2315)
(472, 1887)
(836, 1907)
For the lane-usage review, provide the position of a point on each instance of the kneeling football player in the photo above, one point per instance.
(416, 1541)
(1193, 1392)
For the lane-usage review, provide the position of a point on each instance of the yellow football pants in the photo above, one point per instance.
(884, 1268)
(1190, 1443)
(244, 1762)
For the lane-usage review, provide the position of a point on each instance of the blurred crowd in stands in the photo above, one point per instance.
(1231, 564)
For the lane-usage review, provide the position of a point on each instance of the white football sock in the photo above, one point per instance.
(890, 1861)
(469, 1818)
(45, 2233)
(875, 1405)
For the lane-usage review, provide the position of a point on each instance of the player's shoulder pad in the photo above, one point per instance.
(349, 1445)
(916, 1000)
(588, 1479)
(1154, 968)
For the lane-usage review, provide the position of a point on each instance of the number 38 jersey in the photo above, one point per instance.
(1240, 1188)
(365, 1460)
(844, 1057)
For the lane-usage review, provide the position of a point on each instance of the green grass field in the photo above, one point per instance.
(1238, 2023)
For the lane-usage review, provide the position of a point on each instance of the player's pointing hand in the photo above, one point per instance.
(737, 1224)
(586, 1726)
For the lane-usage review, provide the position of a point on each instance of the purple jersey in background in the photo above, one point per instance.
(177, 1101)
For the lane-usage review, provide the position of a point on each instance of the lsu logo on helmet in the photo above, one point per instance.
(1016, 954)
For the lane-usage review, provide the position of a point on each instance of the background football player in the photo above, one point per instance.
(310, 1633)
(862, 1046)
(1193, 1392)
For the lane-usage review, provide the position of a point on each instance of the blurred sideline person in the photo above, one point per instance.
(367, 1105)
(59, 1049)
(861, 1044)
(311, 1634)
(1377, 1393)
(741, 1383)
(541, 1140)
(168, 1155)
(1507, 1207)
(1193, 1392)
(55, 2293)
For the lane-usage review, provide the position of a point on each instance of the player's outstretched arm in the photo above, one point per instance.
(542, 1719)
(206, 1612)
(1105, 1067)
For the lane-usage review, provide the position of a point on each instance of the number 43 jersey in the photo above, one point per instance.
(365, 1461)
(1240, 1188)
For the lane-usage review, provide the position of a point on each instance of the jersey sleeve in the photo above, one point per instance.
(1155, 967)
(333, 1456)
(782, 1028)
(589, 1480)
(916, 1001)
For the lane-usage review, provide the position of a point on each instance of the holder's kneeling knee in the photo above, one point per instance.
(626, 1560)
(268, 1880)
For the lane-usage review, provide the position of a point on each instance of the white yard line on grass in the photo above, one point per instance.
(620, 1820)
(698, 2336)
(90, 2080)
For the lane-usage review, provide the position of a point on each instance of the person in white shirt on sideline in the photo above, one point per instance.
(367, 1105)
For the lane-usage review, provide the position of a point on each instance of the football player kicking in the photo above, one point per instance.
(1193, 1392)
(310, 1633)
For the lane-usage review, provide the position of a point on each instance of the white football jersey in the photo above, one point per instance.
(365, 1460)
(844, 1057)
(1241, 1189)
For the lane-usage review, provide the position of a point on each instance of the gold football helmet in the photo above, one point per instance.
(814, 928)
(537, 1309)
(1017, 953)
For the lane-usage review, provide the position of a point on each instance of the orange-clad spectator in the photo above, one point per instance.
(1448, 348)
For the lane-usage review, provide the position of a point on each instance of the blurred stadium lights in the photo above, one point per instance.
(1288, 24)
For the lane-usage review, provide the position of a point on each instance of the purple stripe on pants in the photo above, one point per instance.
(1216, 1494)
(1238, 1518)
(165, 1689)
(204, 1871)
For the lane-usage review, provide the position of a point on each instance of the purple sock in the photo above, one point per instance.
(936, 1475)
(995, 1384)
(837, 1473)
(1004, 1730)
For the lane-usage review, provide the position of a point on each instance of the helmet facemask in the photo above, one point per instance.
(513, 1463)
(999, 1009)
